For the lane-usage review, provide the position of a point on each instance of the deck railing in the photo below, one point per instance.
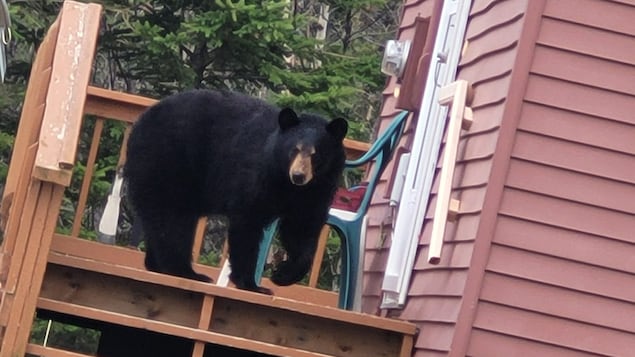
(47, 269)
(125, 108)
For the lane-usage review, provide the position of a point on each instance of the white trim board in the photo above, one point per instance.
(424, 154)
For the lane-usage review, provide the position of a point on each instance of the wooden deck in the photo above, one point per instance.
(106, 287)
(106, 284)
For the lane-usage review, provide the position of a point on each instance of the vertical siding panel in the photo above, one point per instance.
(511, 103)
(559, 273)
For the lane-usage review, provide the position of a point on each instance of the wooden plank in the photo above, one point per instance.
(319, 256)
(33, 106)
(553, 330)
(116, 105)
(104, 256)
(231, 293)
(297, 330)
(406, 346)
(162, 327)
(199, 349)
(111, 293)
(273, 301)
(558, 301)
(78, 247)
(204, 324)
(206, 312)
(22, 236)
(199, 235)
(22, 268)
(9, 305)
(72, 64)
(124, 146)
(42, 351)
(354, 149)
(16, 211)
(44, 223)
(88, 176)
(455, 95)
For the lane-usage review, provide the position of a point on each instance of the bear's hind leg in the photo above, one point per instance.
(169, 238)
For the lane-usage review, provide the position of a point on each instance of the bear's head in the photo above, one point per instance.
(313, 146)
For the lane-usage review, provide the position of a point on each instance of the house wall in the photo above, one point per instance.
(559, 273)
(540, 260)
(435, 293)
(436, 296)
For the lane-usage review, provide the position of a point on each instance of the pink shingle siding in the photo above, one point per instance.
(540, 260)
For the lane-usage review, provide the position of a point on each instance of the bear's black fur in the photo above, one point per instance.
(209, 152)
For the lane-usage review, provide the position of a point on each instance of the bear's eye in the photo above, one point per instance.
(302, 150)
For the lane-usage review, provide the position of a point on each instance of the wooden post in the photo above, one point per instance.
(72, 64)
(88, 176)
(54, 114)
(456, 95)
(319, 256)
(32, 113)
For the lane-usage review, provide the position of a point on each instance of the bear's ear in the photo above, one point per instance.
(338, 128)
(287, 119)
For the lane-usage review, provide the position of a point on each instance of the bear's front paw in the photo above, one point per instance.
(261, 290)
(288, 273)
(248, 284)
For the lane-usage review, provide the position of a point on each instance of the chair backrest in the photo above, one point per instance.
(380, 154)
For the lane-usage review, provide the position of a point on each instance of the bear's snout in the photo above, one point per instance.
(298, 178)
(301, 170)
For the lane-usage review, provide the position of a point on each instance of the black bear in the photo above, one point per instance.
(206, 152)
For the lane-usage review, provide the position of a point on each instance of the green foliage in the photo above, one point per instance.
(342, 86)
(6, 142)
(212, 44)
(267, 48)
(66, 336)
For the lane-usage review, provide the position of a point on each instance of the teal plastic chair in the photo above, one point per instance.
(348, 224)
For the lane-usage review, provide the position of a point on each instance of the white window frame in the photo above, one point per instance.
(424, 155)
